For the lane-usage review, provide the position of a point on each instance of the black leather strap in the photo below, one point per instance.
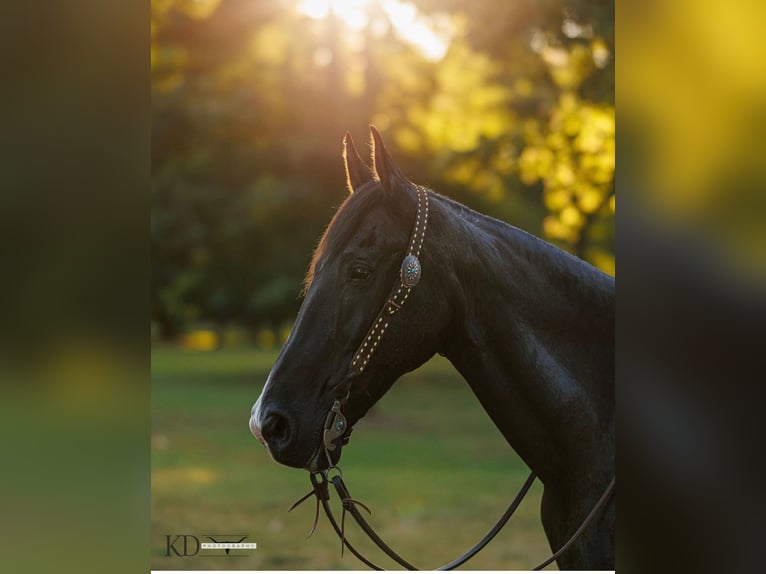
(588, 519)
(319, 481)
(321, 491)
(350, 506)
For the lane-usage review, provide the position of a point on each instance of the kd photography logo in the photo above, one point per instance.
(231, 545)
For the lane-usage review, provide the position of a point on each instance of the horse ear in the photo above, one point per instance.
(387, 171)
(357, 172)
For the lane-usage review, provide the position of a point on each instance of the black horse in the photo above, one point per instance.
(529, 326)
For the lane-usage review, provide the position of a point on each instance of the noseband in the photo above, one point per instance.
(336, 427)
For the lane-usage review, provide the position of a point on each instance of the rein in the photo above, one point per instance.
(336, 427)
(320, 489)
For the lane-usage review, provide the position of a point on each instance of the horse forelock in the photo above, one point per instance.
(346, 221)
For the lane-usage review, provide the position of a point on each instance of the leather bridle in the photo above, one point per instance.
(336, 427)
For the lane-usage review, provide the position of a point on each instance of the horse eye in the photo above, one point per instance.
(359, 273)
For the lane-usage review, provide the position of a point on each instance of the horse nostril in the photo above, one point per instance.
(275, 429)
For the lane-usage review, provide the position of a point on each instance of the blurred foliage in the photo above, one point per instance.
(694, 105)
(505, 106)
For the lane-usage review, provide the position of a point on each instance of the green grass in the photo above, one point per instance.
(426, 459)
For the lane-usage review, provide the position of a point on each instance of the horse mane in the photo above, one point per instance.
(505, 241)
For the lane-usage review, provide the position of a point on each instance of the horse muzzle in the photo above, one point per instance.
(277, 432)
(272, 428)
(255, 429)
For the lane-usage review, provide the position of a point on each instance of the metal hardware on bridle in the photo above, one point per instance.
(410, 271)
(336, 427)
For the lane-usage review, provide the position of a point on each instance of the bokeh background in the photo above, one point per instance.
(505, 106)
(76, 195)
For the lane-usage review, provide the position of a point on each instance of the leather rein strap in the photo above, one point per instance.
(336, 427)
(321, 480)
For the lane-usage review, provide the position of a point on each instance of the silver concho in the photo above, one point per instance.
(334, 427)
(410, 271)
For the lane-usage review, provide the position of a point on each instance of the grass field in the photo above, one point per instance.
(427, 460)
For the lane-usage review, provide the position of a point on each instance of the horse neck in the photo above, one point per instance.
(533, 336)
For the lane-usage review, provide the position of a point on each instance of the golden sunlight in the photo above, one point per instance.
(353, 13)
(431, 36)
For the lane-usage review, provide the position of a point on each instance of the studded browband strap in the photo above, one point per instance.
(409, 276)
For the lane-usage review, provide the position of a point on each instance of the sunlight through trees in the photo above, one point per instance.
(508, 107)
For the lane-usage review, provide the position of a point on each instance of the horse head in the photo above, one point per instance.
(328, 356)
